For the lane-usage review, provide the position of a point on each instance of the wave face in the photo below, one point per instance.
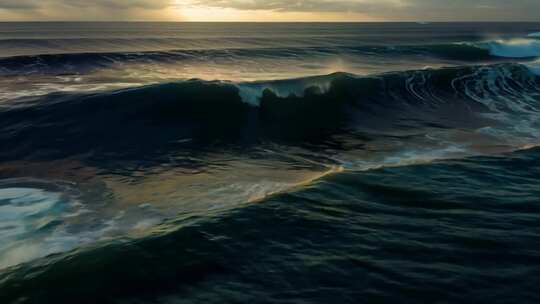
(288, 110)
(83, 62)
(359, 224)
(171, 163)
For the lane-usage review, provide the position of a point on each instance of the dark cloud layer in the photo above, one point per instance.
(18, 4)
(122, 4)
(421, 9)
(516, 10)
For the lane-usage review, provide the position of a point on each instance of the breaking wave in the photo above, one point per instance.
(165, 115)
(516, 48)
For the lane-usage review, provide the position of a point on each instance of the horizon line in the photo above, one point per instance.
(172, 21)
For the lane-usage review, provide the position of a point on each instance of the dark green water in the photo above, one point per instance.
(269, 163)
(452, 231)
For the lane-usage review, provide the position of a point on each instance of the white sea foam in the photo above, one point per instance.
(515, 48)
(251, 92)
(534, 67)
(35, 223)
(24, 213)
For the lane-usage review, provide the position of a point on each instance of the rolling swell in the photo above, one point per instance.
(171, 116)
(87, 62)
(416, 234)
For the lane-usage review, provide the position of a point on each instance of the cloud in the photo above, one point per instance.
(18, 4)
(96, 4)
(299, 5)
(119, 4)
(415, 9)
(441, 10)
(84, 10)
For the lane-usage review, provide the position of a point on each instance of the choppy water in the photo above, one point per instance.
(172, 163)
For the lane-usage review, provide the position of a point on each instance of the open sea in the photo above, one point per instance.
(269, 163)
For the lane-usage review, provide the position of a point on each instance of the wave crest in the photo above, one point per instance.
(163, 116)
(88, 62)
(516, 48)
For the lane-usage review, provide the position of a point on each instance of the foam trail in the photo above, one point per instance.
(261, 196)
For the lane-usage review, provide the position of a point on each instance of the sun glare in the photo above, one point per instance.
(185, 12)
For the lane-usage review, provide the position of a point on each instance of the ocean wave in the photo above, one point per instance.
(85, 62)
(534, 67)
(312, 231)
(160, 115)
(516, 48)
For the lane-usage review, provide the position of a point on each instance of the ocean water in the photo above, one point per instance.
(269, 163)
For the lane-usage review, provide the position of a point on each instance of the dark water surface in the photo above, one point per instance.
(279, 163)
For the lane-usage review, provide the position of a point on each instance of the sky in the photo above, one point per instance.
(270, 10)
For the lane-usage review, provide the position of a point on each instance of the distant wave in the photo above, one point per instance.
(534, 35)
(286, 110)
(517, 48)
(85, 62)
(534, 67)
